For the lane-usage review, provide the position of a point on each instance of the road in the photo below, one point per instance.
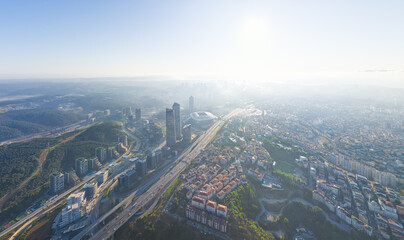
(48, 134)
(157, 188)
(50, 204)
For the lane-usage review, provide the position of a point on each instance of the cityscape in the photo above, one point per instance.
(262, 120)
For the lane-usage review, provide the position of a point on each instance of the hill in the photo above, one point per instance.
(20, 161)
(15, 124)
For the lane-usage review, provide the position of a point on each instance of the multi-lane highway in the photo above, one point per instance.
(158, 187)
(50, 204)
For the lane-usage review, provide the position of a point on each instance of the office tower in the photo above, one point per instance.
(170, 128)
(101, 154)
(81, 166)
(191, 104)
(138, 114)
(186, 132)
(177, 117)
(141, 167)
(56, 182)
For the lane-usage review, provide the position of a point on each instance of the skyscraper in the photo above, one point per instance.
(138, 114)
(177, 117)
(170, 128)
(191, 104)
(187, 134)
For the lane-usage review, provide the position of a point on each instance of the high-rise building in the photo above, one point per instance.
(141, 167)
(191, 104)
(92, 163)
(187, 134)
(138, 114)
(122, 181)
(151, 160)
(170, 128)
(67, 178)
(124, 140)
(111, 152)
(81, 166)
(101, 177)
(101, 154)
(177, 117)
(56, 182)
(127, 111)
(131, 175)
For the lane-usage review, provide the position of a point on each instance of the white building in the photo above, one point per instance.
(74, 209)
(101, 177)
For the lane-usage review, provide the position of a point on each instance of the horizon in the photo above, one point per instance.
(259, 42)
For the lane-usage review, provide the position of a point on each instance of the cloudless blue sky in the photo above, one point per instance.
(252, 40)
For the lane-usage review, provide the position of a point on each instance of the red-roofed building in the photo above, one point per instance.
(211, 206)
(198, 202)
(221, 210)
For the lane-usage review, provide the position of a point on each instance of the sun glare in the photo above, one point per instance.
(254, 34)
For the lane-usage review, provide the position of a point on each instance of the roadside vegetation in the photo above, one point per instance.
(296, 213)
(21, 160)
(243, 206)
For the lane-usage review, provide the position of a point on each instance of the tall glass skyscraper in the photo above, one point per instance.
(170, 128)
(191, 104)
(177, 116)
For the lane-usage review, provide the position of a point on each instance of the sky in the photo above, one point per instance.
(307, 41)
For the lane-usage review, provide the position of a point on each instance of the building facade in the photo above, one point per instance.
(177, 117)
(170, 128)
(56, 182)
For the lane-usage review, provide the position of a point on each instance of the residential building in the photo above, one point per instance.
(56, 182)
(141, 167)
(81, 166)
(101, 177)
(101, 154)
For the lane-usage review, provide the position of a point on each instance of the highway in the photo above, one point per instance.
(158, 187)
(49, 133)
(50, 204)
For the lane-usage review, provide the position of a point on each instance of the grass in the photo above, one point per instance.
(285, 167)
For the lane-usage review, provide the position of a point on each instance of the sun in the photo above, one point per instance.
(254, 34)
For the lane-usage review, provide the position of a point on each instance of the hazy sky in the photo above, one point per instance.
(251, 40)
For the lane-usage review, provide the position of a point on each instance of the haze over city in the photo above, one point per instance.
(310, 41)
(201, 120)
